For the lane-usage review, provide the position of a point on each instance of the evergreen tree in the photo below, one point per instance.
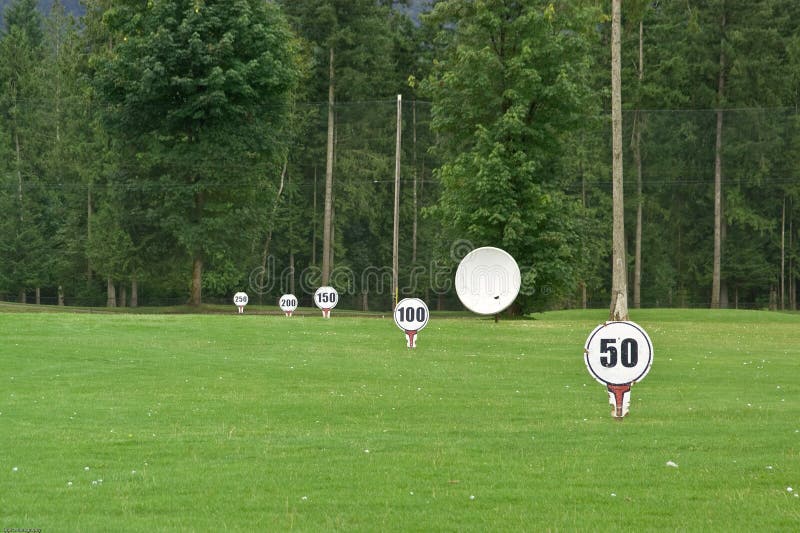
(23, 237)
(196, 97)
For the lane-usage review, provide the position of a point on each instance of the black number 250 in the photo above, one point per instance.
(629, 349)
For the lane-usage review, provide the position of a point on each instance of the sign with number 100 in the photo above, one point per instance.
(411, 315)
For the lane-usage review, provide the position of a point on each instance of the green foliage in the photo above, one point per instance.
(166, 142)
(25, 195)
(196, 98)
(363, 39)
(509, 88)
(23, 16)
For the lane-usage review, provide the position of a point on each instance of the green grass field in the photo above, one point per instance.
(253, 423)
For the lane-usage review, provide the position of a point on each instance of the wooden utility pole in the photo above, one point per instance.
(792, 271)
(396, 232)
(619, 276)
(637, 156)
(314, 223)
(326, 226)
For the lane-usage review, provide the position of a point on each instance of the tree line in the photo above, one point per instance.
(178, 151)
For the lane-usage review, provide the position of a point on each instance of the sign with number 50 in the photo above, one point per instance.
(618, 354)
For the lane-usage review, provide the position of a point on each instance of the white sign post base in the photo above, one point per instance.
(411, 338)
(326, 313)
(619, 396)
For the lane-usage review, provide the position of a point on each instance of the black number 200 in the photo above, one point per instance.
(629, 353)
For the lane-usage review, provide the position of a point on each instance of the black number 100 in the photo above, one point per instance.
(408, 314)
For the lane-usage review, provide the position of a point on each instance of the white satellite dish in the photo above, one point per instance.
(487, 280)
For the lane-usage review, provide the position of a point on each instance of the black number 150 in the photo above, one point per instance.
(326, 298)
(629, 349)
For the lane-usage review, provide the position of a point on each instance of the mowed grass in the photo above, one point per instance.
(260, 423)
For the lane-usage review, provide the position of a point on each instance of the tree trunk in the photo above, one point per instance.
(134, 292)
(332, 254)
(792, 277)
(270, 226)
(783, 255)
(18, 153)
(291, 272)
(414, 155)
(583, 295)
(111, 292)
(583, 204)
(123, 296)
(196, 297)
(60, 296)
(619, 279)
(326, 226)
(23, 298)
(19, 173)
(38, 296)
(89, 232)
(723, 287)
(717, 269)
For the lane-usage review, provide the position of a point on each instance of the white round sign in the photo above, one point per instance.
(411, 314)
(618, 353)
(326, 297)
(240, 299)
(487, 280)
(288, 303)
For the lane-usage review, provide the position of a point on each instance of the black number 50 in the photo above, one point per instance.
(629, 349)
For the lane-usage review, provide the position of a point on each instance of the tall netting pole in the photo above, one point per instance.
(395, 236)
